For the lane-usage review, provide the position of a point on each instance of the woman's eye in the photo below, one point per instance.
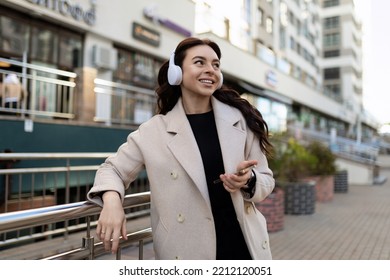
(199, 62)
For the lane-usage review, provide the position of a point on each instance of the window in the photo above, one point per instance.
(260, 14)
(282, 38)
(332, 90)
(283, 14)
(292, 43)
(331, 3)
(70, 51)
(333, 53)
(332, 73)
(124, 71)
(44, 45)
(331, 22)
(332, 39)
(269, 23)
(13, 36)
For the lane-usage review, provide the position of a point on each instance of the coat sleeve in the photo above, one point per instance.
(118, 170)
(265, 181)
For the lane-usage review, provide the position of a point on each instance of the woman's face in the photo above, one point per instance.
(201, 72)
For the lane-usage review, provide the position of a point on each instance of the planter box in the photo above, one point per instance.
(324, 187)
(341, 181)
(273, 210)
(299, 198)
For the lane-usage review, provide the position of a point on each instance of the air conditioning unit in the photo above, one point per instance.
(104, 57)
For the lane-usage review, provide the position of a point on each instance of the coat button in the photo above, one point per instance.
(248, 209)
(265, 244)
(180, 218)
(174, 175)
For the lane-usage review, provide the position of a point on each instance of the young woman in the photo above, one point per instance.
(205, 156)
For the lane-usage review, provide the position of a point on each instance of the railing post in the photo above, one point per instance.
(119, 253)
(88, 241)
(141, 249)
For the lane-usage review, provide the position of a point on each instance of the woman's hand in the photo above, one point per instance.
(112, 221)
(238, 180)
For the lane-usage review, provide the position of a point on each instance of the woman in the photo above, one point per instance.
(203, 132)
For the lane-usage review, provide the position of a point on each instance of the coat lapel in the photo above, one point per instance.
(232, 139)
(185, 149)
(231, 135)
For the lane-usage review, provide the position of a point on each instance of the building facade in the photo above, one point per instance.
(280, 54)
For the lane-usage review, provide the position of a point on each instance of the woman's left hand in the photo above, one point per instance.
(238, 180)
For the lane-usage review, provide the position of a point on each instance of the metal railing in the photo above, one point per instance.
(89, 249)
(361, 152)
(35, 179)
(55, 179)
(123, 104)
(48, 92)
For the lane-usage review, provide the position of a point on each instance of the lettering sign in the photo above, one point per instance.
(151, 13)
(68, 8)
(146, 34)
(271, 78)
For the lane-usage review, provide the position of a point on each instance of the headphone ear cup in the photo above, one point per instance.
(220, 81)
(174, 72)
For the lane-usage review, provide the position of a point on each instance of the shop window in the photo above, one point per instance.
(70, 49)
(13, 36)
(144, 74)
(44, 45)
(124, 71)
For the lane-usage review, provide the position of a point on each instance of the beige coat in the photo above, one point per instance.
(182, 221)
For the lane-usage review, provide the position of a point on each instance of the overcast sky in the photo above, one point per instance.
(376, 56)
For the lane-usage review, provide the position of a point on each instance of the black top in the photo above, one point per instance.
(230, 240)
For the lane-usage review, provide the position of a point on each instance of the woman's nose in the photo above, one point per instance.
(210, 68)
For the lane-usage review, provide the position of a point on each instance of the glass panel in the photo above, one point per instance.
(44, 97)
(143, 71)
(124, 71)
(13, 36)
(70, 51)
(44, 45)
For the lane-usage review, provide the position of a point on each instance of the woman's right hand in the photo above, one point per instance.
(112, 221)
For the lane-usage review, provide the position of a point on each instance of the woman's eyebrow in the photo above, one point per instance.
(203, 58)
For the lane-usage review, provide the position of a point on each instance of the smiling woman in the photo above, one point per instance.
(203, 131)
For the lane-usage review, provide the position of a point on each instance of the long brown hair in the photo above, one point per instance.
(167, 95)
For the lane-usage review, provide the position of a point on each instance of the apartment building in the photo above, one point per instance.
(312, 51)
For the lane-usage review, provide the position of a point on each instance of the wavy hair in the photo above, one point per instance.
(168, 95)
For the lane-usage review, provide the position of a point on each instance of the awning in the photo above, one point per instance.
(265, 93)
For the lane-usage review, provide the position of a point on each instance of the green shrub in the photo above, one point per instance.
(326, 160)
(291, 161)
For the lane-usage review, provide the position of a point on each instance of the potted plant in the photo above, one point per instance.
(323, 170)
(291, 164)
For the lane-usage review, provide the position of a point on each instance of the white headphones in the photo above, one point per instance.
(175, 74)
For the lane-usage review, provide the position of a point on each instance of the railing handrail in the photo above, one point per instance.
(101, 82)
(51, 214)
(39, 68)
(89, 249)
(34, 156)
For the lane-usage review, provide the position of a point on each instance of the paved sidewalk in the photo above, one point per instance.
(353, 226)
